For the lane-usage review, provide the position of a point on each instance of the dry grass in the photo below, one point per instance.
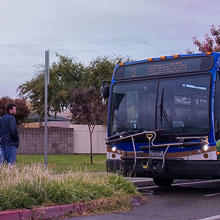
(30, 186)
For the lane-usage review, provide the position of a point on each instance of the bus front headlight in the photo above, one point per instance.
(114, 149)
(205, 147)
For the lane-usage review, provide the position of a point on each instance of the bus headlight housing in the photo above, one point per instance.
(205, 147)
(114, 149)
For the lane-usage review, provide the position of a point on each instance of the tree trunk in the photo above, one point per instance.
(91, 157)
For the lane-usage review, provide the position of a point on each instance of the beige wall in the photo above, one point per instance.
(58, 124)
(60, 141)
(81, 139)
(73, 140)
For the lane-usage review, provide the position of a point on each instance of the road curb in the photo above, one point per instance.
(10, 215)
(40, 213)
(55, 211)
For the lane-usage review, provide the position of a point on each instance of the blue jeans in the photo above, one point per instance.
(2, 155)
(8, 154)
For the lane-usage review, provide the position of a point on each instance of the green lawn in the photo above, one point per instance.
(65, 163)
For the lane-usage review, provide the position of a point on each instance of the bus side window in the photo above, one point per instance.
(217, 107)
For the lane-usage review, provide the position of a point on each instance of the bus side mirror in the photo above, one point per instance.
(104, 90)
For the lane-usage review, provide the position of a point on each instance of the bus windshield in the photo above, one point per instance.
(178, 105)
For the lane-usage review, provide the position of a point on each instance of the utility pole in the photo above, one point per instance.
(46, 82)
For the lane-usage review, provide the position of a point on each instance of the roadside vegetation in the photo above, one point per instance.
(66, 163)
(31, 186)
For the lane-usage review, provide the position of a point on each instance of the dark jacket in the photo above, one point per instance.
(8, 131)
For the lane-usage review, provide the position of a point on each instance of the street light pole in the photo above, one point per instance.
(46, 82)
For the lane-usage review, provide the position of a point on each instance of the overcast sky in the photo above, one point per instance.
(86, 29)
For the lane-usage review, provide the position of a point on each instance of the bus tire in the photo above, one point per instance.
(160, 181)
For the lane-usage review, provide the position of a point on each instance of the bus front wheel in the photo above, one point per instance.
(159, 181)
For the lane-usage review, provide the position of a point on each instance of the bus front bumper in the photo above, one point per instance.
(187, 169)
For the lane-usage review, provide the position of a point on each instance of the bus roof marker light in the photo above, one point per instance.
(163, 57)
(208, 53)
(121, 64)
(176, 55)
(150, 59)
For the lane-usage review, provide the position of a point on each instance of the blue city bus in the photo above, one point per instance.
(164, 118)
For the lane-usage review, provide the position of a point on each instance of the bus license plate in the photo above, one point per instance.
(156, 153)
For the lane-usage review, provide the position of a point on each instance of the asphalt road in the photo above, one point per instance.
(199, 200)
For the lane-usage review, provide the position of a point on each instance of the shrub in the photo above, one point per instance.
(29, 186)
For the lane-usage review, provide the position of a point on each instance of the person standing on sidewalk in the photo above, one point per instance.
(9, 135)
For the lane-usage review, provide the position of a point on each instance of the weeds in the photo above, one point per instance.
(31, 186)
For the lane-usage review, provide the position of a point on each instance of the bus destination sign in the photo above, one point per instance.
(165, 67)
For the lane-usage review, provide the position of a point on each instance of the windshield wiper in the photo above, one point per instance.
(123, 128)
(118, 135)
(164, 114)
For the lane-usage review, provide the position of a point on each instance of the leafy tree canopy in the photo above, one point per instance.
(65, 75)
(86, 107)
(101, 69)
(210, 43)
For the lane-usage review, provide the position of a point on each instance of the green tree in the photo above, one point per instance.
(101, 69)
(210, 43)
(22, 108)
(65, 75)
(87, 108)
